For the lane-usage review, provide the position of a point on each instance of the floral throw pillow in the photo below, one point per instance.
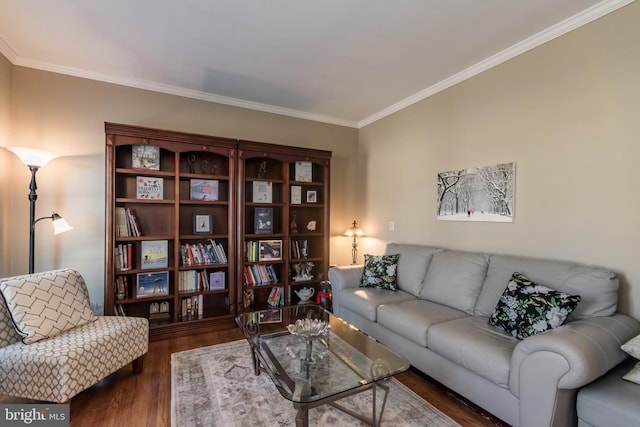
(632, 348)
(380, 271)
(526, 308)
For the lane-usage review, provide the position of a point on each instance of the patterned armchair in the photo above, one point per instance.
(52, 346)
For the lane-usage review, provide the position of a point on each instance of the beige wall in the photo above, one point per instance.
(67, 114)
(5, 132)
(566, 113)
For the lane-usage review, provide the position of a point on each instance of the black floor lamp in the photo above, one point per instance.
(35, 159)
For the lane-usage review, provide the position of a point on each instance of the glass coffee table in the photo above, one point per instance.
(311, 366)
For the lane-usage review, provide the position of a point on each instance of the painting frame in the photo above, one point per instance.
(202, 223)
(480, 194)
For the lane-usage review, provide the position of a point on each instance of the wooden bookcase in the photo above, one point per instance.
(274, 255)
(183, 302)
(179, 305)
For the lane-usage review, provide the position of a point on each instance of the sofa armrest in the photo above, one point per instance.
(549, 367)
(342, 278)
(589, 347)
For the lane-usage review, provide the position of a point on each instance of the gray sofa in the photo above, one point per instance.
(438, 319)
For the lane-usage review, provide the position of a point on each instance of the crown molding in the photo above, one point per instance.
(7, 51)
(564, 27)
(601, 9)
(179, 91)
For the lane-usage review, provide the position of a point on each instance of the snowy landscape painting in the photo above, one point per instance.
(478, 194)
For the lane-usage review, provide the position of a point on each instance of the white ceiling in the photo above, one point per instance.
(348, 62)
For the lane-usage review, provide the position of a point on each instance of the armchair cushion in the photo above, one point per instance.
(47, 304)
(55, 370)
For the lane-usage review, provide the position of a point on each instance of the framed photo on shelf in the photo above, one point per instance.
(145, 157)
(270, 316)
(203, 189)
(304, 171)
(263, 220)
(154, 254)
(202, 223)
(152, 284)
(312, 196)
(269, 250)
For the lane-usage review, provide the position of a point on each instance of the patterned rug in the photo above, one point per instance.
(215, 386)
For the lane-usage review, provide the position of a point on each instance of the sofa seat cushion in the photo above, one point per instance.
(412, 265)
(454, 279)
(598, 288)
(412, 319)
(73, 360)
(473, 344)
(365, 301)
(610, 401)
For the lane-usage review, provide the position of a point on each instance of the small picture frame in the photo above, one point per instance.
(202, 224)
(312, 196)
(269, 250)
(270, 316)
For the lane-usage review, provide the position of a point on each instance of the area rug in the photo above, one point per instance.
(216, 386)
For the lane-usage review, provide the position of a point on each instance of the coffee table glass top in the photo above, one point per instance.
(310, 368)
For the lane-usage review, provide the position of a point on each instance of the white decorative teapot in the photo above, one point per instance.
(305, 294)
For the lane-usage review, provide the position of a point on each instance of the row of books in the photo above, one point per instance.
(252, 250)
(126, 223)
(201, 280)
(203, 253)
(119, 310)
(124, 256)
(191, 307)
(276, 297)
(122, 287)
(299, 249)
(260, 274)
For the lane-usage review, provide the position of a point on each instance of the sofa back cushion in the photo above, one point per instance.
(44, 305)
(412, 265)
(598, 288)
(454, 278)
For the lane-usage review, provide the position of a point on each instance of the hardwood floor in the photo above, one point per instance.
(127, 400)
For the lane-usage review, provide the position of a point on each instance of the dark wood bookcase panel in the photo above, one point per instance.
(191, 216)
(301, 218)
(181, 158)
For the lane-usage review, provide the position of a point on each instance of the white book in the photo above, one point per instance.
(296, 195)
(262, 192)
